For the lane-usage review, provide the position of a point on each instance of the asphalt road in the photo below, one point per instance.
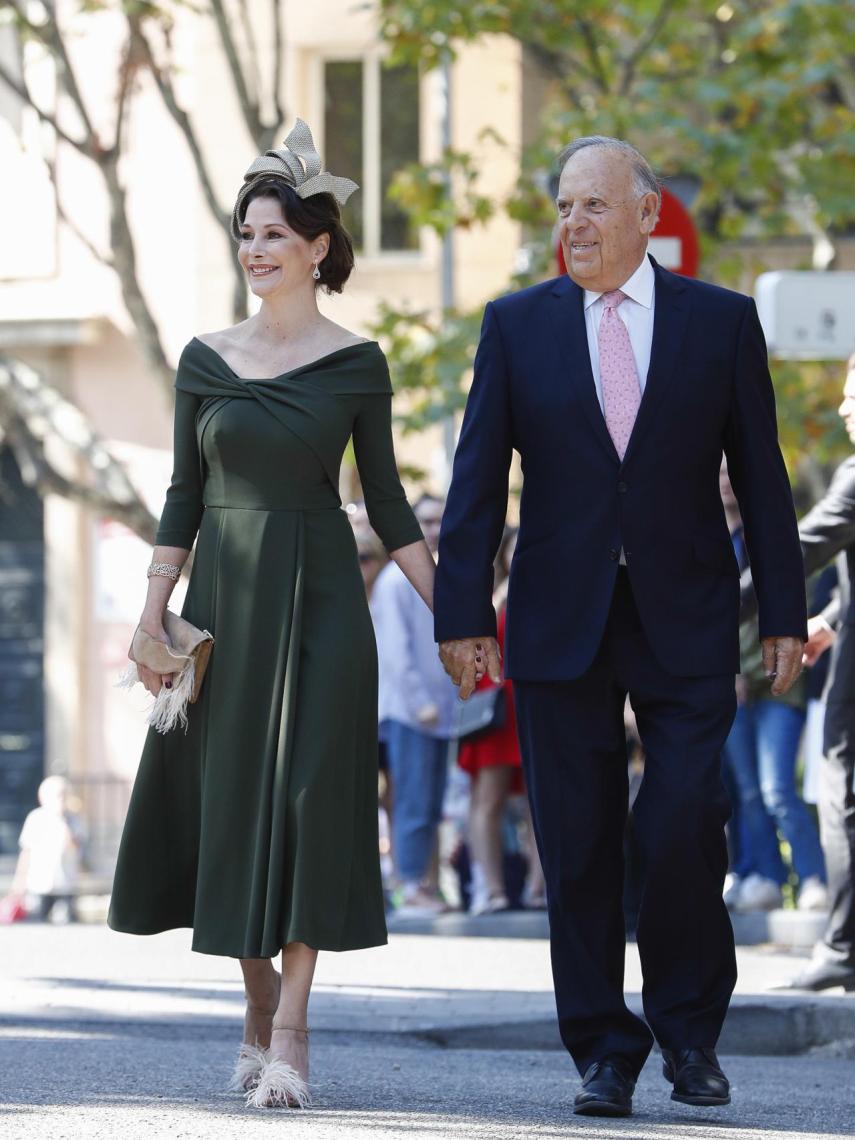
(110, 1037)
(82, 1083)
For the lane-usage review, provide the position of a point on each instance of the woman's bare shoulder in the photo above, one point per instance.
(340, 337)
(223, 338)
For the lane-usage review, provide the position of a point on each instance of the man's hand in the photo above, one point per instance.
(782, 660)
(468, 659)
(820, 637)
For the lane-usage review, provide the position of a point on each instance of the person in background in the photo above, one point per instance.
(493, 761)
(369, 549)
(824, 592)
(417, 704)
(372, 559)
(51, 846)
(738, 834)
(828, 531)
(761, 753)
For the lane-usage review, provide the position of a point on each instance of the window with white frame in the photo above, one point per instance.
(371, 131)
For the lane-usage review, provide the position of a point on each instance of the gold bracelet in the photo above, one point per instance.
(164, 569)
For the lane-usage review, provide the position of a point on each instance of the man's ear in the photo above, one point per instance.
(649, 212)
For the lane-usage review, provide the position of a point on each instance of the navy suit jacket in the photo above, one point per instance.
(708, 390)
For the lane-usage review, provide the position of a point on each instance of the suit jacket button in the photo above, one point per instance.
(621, 488)
(614, 555)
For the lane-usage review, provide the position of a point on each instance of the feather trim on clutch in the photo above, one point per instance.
(186, 656)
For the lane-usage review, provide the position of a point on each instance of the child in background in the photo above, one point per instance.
(51, 845)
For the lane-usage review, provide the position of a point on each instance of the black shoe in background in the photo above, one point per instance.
(696, 1076)
(607, 1089)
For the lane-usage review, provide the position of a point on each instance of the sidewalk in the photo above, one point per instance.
(476, 993)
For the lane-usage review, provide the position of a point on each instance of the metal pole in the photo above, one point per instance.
(447, 299)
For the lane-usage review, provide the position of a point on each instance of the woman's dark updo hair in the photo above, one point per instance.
(310, 217)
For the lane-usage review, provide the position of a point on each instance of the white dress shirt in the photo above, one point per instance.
(636, 312)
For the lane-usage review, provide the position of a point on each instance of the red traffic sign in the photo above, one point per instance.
(674, 243)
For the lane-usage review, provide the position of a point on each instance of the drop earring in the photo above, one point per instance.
(316, 273)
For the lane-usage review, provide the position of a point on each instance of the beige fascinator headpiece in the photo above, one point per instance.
(298, 164)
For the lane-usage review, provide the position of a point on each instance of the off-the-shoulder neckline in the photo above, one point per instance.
(290, 371)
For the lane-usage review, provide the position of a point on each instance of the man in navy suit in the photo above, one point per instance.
(620, 386)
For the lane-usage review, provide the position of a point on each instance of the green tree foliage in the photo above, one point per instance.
(754, 101)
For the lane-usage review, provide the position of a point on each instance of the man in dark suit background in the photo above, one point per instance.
(620, 386)
(826, 531)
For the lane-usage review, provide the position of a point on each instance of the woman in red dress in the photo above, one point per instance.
(494, 763)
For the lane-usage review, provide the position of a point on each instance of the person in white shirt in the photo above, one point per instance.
(51, 844)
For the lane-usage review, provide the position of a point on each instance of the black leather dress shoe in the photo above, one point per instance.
(823, 976)
(696, 1076)
(607, 1089)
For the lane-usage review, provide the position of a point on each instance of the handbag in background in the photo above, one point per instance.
(484, 712)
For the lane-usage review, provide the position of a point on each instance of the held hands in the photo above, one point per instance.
(820, 637)
(154, 681)
(782, 660)
(468, 659)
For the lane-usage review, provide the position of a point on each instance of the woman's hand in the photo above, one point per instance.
(820, 637)
(154, 681)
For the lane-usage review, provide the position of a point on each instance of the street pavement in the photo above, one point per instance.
(105, 1035)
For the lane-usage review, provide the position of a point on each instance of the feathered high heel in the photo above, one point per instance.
(250, 1063)
(279, 1084)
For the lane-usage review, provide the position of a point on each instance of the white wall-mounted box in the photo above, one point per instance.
(807, 315)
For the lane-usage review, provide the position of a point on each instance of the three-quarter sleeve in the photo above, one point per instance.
(182, 512)
(389, 513)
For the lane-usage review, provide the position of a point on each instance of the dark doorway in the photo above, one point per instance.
(22, 560)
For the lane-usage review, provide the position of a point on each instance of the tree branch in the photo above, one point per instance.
(248, 106)
(125, 263)
(644, 44)
(50, 35)
(163, 81)
(253, 70)
(279, 60)
(65, 218)
(555, 63)
(36, 419)
(127, 73)
(23, 93)
(590, 40)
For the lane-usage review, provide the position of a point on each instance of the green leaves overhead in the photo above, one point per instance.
(753, 100)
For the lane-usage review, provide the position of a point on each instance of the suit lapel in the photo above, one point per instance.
(670, 321)
(568, 319)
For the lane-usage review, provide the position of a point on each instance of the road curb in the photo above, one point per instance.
(766, 1027)
(793, 929)
(755, 1026)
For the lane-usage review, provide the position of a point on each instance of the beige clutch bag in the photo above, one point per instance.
(187, 658)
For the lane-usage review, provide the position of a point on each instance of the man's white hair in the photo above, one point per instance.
(643, 177)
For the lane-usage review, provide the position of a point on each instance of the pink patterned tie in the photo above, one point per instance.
(618, 374)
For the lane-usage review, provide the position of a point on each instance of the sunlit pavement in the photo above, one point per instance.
(106, 1035)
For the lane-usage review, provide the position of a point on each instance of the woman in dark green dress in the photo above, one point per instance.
(258, 826)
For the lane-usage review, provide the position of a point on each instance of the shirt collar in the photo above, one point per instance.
(640, 287)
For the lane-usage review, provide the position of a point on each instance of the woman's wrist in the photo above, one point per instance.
(152, 616)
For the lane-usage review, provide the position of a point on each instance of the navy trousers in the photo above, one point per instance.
(574, 755)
